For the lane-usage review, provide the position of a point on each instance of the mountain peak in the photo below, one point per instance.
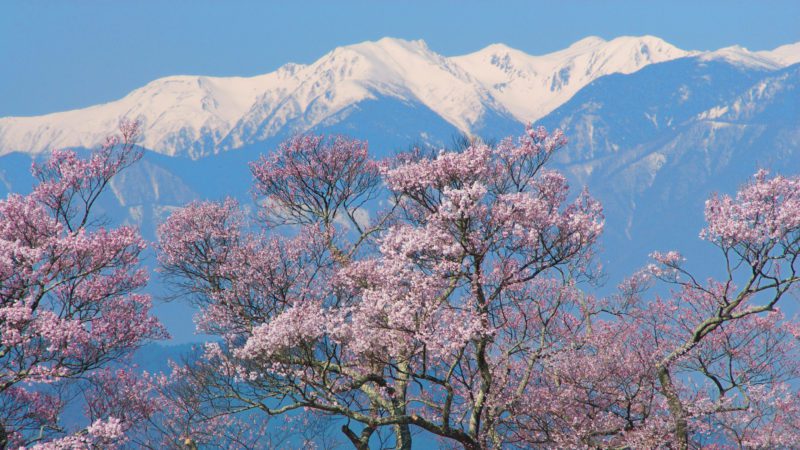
(497, 48)
(738, 55)
(390, 44)
(388, 40)
(648, 45)
(532, 86)
(645, 38)
(587, 42)
(787, 54)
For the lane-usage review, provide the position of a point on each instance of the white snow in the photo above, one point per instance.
(740, 55)
(198, 115)
(406, 70)
(786, 54)
(530, 87)
(713, 113)
(174, 111)
(782, 56)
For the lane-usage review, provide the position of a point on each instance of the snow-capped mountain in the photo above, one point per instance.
(407, 71)
(786, 54)
(532, 86)
(777, 58)
(180, 114)
(198, 115)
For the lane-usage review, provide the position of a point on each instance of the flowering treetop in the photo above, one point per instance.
(68, 289)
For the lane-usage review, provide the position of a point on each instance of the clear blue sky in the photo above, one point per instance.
(64, 55)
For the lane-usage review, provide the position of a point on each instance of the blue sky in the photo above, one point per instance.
(65, 55)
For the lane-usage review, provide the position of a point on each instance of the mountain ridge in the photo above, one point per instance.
(196, 116)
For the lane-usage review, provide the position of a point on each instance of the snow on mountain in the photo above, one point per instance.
(532, 86)
(786, 54)
(741, 56)
(394, 68)
(775, 99)
(188, 114)
(197, 115)
(777, 58)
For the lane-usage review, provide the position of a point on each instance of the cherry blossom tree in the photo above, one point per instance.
(444, 293)
(425, 314)
(69, 304)
(712, 363)
(725, 355)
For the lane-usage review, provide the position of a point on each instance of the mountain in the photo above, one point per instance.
(494, 88)
(786, 54)
(180, 115)
(532, 86)
(405, 74)
(654, 144)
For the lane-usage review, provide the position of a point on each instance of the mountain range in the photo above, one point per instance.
(487, 92)
(652, 129)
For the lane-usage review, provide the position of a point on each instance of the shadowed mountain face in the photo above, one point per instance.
(654, 144)
(651, 145)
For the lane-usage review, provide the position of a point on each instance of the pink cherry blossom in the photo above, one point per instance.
(463, 309)
(452, 289)
(68, 294)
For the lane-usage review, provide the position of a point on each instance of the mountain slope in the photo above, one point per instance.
(652, 156)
